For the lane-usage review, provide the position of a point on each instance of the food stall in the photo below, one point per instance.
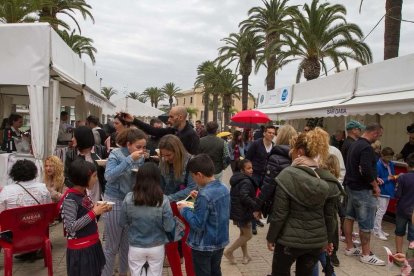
(38, 69)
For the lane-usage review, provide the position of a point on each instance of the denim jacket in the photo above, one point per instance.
(242, 149)
(209, 221)
(177, 189)
(146, 225)
(118, 173)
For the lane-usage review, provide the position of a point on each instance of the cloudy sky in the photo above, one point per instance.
(143, 43)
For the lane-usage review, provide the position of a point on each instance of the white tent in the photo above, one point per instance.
(384, 89)
(133, 107)
(39, 69)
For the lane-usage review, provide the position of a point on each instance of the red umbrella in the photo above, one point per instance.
(250, 117)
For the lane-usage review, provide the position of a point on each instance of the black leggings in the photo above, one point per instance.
(284, 257)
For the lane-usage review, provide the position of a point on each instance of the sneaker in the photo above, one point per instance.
(380, 236)
(355, 251)
(254, 231)
(342, 238)
(385, 233)
(334, 259)
(371, 259)
(355, 234)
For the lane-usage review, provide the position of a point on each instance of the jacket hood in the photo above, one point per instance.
(238, 177)
(302, 184)
(281, 150)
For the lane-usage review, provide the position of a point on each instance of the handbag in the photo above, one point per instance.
(178, 231)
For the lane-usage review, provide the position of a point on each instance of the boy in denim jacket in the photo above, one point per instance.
(209, 220)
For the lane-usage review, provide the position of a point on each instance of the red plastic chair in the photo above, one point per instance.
(26, 229)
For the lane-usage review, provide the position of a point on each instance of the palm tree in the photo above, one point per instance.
(171, 91)
(50, 13)
(191, 111)
(133, 95)
(271, 21)
(154, 94)
(108, 92)
(79, 44)
(323, 32)
(20, 11)
(244, 48)
(393, 10)
(210, 77)
(201, 81)
(230, 87)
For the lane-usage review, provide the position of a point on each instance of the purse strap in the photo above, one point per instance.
(28, 192)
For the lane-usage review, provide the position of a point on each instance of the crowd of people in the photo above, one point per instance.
(161, 197)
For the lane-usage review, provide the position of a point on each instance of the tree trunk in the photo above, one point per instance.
(215, 106)
(311, 68)
(392, 28)
(245, 91)
(171, 102)
(271, 63)
(226, 111)
(206, 104)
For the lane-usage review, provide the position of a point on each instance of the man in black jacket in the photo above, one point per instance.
(258, 153)
(177, 118)
(362, 186)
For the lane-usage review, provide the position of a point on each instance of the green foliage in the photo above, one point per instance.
(79, 44)
(323, 33)
(154, 94)
(108, 92)
(170, 90)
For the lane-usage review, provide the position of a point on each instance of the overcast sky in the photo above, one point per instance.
(143, 43)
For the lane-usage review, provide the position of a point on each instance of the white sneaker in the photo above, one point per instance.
(380, 236)
(355, 234)
(355, 251)
(371, 259)
(342, 238)
(385, 233)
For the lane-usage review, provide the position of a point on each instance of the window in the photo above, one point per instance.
(191, 100)
(184, 102)
(202, 115)
(232, 102)
(202, 100)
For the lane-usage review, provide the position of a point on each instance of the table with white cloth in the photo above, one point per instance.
(7, 160)
(60, 152)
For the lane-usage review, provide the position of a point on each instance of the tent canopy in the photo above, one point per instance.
(380, 88)
(134, 107)
(39, 69)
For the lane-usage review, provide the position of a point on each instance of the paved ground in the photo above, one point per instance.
(261, 264)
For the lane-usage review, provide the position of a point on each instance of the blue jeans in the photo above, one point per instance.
(322, 259)
(207, 263)
(362, 207)
(401, 225)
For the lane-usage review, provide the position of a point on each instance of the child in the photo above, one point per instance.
(242, 194)
(386, 171)
(147, 213)
(209, 221)
(333, 166)
(84, 255)
(405, 206)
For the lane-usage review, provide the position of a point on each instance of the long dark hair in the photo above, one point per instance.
(147, 189)
(236, 140)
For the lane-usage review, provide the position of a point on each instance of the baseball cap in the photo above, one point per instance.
(354, 124)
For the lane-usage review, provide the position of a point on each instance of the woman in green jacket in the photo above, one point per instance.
(302, 220)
